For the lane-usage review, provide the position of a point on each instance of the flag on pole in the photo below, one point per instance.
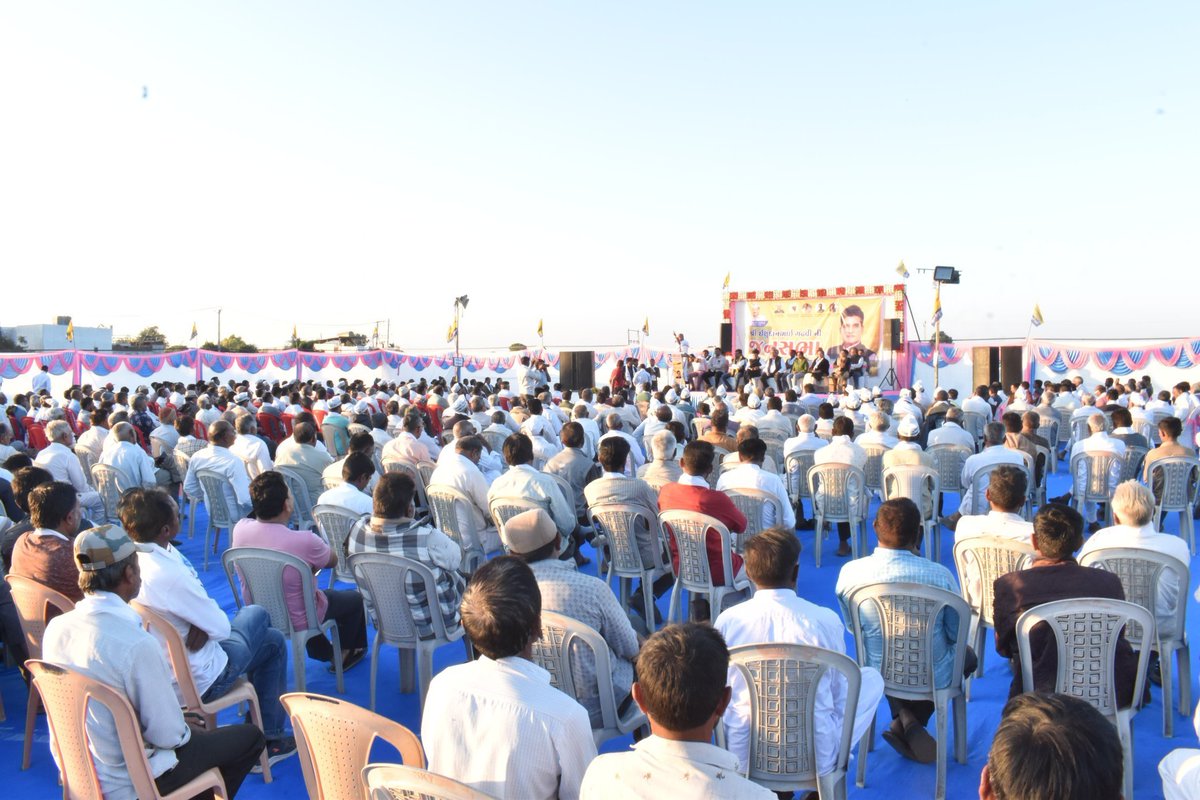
(195, 332)
(294, 336)
(1036, 319)
(937, 310)
(725, 285)
(452, 332)
(375, 333)
(646, 327)
(540, 328)
(70, 330)
(902, 271)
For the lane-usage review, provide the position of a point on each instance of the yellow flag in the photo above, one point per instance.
(196, 333)
(725, 285)
(1036, 319)
(71, 330)
(937, 309)
(540, 328)
(294, 336)
(902, 270)
(646, 327)
(452, 332)
(375, 333)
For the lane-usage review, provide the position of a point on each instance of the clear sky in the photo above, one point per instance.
(331, 164)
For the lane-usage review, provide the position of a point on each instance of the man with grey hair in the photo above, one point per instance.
(61, 462)
(574, 466)
(591, 431)
(877, 433)
(218, 458)
(133, 466)
(952, 431)
(994, 452)
(1098, 442)
(249, 447)
(616, 428)
(665, 467)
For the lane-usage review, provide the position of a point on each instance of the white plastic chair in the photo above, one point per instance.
(1094, 477)
(908, 613)
(980, 479)
(619, 524)
(1049, 432)
(974, 423)
(796, 468)
(1086, 631)
(1175, 481)
(503, 509)
(334, 524)
(873, 469)
(187, 503)
(1141, 571)
(948, 460)
(68, 695)
(979, 561)
(86, 462)
(558, 652)
(752, 503)
(1131, 464)
(302, 505)
(690, 530)
(783, 681)
(221, 512)
(261, 572)
(452, 514)
(387, 579)
(838, 493)
(412, 469)
(397, 782)
(107, 481)
(921, 485)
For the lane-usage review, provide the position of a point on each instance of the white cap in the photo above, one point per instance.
(670, 396)
(334, 402)
(908, 427)
(753, 401)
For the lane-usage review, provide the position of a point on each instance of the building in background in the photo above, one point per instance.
(35, 338)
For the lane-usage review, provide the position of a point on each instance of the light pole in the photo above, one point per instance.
(219, 330)
(460, 304)
(940, 275)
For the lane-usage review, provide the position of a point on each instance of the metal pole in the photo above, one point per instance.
(218, 330)
(389, 333)
(937, 334)
(457, 368)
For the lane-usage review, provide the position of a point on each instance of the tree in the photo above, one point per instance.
(8, 345)
(231, 344)
(151, 335)
(944, 338)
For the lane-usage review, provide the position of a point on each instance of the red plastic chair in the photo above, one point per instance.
(152, 407)
(319, 417)
(286, 420)
(199, 431)
(35, 434)
(271, 427)
(142, 440)
(72, 420)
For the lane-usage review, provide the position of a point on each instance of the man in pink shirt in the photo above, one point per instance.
(267, 527)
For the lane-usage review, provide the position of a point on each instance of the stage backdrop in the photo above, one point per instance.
(805, 319)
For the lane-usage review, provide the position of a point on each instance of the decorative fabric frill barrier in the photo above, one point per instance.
(947, 354)
(1180, 354)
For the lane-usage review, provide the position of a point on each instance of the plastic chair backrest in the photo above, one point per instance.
(619, 523)
(974, 423)
(1140, 571)
(783, 682)
(302, 507)
(1086, 631)
(560, 652)
(980, 479)
(35, 434)
(495, 440)
(916, 482)
(949, 459)
(176, 652)
(908, 614)
(1048, 430)
(837, 490)
(1094, 476)
(199, 431)
(395, 585)
(690, 530)
(873, 469)
(752, 503)
(86, 462)
(67, 694)
(334, 523)
(285, 419)
(503, 509)
(271, 426)
(983, 559)
(217, 492)
(337, 439)
(334, 739)
(1080, 429)
(1179, 476)
(36, 605)
(111, 482)
(393, 782)
(451, 511)
(412, 469)
(796, 469)
(1131, 464)
(261, 573)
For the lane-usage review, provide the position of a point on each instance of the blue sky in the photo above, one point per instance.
(593, 164)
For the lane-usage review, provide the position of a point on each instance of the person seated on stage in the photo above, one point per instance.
(267, 527)
(718, 434)
(532, 537)
(751, 475)
(103, 638)
(496, 723)
(898, 527)
(362, 443)
(1054, 747)
(353, 491)
(692, 493)
(681, 685)
(1054, 575)
(44, 553)
(842, 450)
(994, 452)
(665, 467)
(574, 466)
(776, 615)
(877, 432)
(220, 650)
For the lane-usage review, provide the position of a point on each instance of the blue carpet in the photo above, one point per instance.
(888, 775)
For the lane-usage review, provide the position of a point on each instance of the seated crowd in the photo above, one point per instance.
(501, 495)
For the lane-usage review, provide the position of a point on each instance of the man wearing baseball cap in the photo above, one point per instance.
(103, 638)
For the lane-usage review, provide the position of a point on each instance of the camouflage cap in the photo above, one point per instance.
(103, 546)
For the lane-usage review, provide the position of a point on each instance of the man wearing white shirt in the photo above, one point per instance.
(681, 685)
(249, 447)
(496, 724)
(1161, 402)
(841, 450)
(877, 433)
(806, 439)
(952, 431)
(907, 452)
(615, 428)
(776, 615)
(135, 468)
(217, 457)
(460, 470)
(750, 475)
(1133, 515)
(92, 440)
(60, 461)
(352, 494)
(207, 415)
(522, 480)
(905, 405)
(994, 452)
(1006, 496)
(41, 380)
(978, 403)
(774, 420)
(749, 414)
(360, 442)
(653, 424)
(1099, 442)
(664, 468)
(1183, 401)
(591, 431)
(406, 443)
(220, 651)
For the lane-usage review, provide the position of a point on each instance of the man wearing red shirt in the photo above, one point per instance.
(691, 493)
